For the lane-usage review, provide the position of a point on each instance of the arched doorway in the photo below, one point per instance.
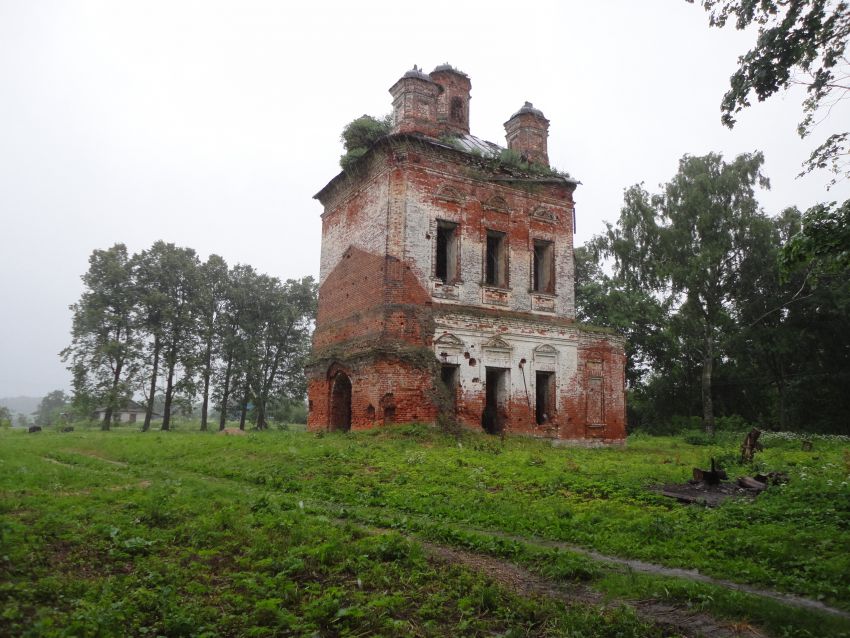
(341, 402)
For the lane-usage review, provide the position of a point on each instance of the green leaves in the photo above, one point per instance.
(359, 135)
(164, 324)
(798, 42)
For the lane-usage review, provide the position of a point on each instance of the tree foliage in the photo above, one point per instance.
(799, 42)
(359, 134)
(188, 330)
(51, 407)
(104, 344)
(689, 243)
(823, 243)
(719, 301)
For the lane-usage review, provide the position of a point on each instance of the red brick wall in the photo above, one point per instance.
(375, 316)
(456, 88)
(600, 352)
(528, 134)
(396, 392)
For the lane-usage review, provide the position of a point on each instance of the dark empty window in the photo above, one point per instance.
(446, 261)
(544, 382)
(496, 388)
(449, 377)
(495, 261)
(543, 276)
(456, 110)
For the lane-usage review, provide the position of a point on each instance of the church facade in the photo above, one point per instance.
(447, 282)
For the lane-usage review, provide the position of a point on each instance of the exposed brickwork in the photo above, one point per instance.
(410, 240)
(527, 133)
(415, 104)
(382, 392)
(453, 99)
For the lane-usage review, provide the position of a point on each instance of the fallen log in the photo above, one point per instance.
(748, 482)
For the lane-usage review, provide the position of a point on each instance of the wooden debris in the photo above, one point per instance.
(772, 478)
(704, 494)
(711, 477)
(748, 482)
(711, 487)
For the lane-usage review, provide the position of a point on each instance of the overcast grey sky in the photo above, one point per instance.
(212, 124)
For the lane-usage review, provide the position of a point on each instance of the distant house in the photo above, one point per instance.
(130, 412)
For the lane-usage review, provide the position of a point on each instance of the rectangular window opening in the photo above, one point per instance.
(543, 275)
(445, 267)
(544, 384)
(496, 260)
(449, 377)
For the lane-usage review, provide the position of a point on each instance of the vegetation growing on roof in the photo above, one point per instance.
(359, 134)
(514, 161)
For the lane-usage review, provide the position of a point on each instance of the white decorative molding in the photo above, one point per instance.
(450, 194)
(544, 214)
(497, 204)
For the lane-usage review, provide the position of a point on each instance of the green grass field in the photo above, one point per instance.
(194, 534)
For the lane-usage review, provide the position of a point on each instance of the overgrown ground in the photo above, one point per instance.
(184, 533)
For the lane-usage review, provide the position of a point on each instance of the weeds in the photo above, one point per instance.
(206, 535)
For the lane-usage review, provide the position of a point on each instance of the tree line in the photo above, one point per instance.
(726, 310)
(162, 323)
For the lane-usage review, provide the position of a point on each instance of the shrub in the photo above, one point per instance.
(733, 423)
(697, 437)
(358, 135)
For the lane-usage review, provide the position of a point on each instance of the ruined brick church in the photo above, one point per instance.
(447, 282)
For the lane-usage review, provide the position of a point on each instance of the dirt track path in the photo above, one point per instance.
(679, 619)
(677, 572)
(525, 583)
(634, 565)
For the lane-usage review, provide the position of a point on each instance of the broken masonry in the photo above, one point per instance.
(447, 282)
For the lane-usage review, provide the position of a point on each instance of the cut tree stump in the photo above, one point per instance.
(750, 446)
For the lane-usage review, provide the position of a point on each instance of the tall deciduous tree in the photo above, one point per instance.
(50, 407)
(104, 345)
(180, 332)
(283, 329)
(211, 300)
(233, 335)
(167, 286)
(151, 303)
(618, 302)
(688, 245)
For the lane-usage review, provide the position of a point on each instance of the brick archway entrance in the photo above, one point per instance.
(340, 403)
